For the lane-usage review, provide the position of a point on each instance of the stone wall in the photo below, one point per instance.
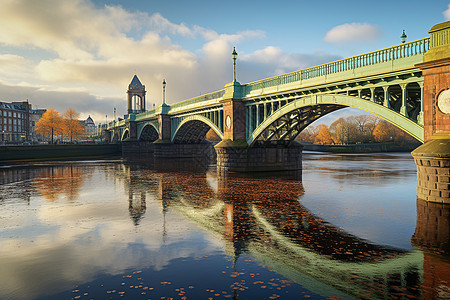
(169, 150)
(132, 148)
(433, 179)
(240, 159)
(50, 152)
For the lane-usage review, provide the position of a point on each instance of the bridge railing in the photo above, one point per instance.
(388, 54)
(210, 96)
(145, 114)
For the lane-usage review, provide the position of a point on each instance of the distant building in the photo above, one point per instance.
(89, 126)
(35, 116)
(15, 124)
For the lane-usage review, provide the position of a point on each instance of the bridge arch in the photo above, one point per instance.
(148, 132)
(321, 105)
(193, 129)
(125, 135)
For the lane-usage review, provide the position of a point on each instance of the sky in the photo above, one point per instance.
(82, 54)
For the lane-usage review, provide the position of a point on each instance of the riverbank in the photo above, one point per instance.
(361, 148)
(50, 152)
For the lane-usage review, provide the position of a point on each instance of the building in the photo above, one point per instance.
(89, 126)
(15, 124)
(35, 116)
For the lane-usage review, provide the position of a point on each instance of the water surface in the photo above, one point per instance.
(119, 229)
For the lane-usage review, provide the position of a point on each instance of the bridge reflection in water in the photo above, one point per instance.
(264, 218)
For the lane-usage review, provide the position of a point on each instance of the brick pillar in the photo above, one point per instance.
(164, 123)
(132, 127)
(232, 150)
(233, 113)
(234, 119)
(433, 157)
(108, 136)
(164, 127)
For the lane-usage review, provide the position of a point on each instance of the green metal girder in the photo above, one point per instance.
(197, 118)
(383, 112)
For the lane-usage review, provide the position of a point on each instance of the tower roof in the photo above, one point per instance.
(135, 83)
(89, 120)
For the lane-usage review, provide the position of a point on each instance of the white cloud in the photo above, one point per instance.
(272, 61)
(15, 66)
(446, 13)
(93, 52)
(352, 32)
(63, 98)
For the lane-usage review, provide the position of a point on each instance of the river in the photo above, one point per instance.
(348, 226)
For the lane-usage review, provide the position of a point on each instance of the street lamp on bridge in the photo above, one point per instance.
(403, 37)
(164, 91)
(234, 56)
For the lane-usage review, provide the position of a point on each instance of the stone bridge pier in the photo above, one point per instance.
(233, 152)
(433, 157)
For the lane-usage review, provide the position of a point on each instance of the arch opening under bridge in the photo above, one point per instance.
(284, 124)
(193, 130)
(148, 133)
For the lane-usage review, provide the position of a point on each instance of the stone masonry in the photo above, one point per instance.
(433, 157)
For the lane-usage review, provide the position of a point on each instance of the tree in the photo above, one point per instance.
(72, 127)
(308, 134)
(335, 134)
(344, 130)
(384, 132)
(50, 124)
(365, 125)
(323, 136)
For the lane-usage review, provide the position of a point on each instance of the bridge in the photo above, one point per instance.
(257, 123)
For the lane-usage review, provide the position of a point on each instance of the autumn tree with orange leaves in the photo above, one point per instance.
(308, 134)
(72, 128)
(323, 136)
(50, 124)
(355, 129)
(384, 132)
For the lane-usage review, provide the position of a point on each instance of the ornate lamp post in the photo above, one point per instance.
(403, 37)
(164, 91)
(234, 56)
